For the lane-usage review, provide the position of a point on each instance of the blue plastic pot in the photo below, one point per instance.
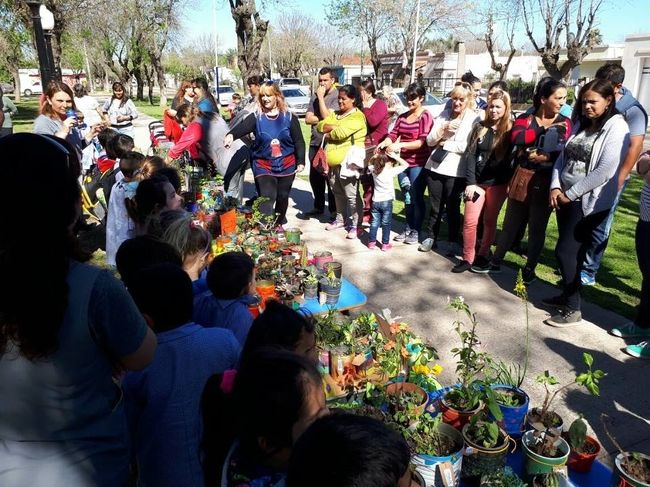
(514, 417)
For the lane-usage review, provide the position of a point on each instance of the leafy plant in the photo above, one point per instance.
(265, 222)
(546, 443)
(425, 438)
(589, 379)
(513, 374)
(331, 278)
(403, 407)
(578, 434)
(635, 465)
(547, 480)
(502, 478)
(311, 280)
(470, 362)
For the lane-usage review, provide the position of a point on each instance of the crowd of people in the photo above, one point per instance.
(166, 378)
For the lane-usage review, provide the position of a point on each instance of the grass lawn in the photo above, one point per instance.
(618, 285)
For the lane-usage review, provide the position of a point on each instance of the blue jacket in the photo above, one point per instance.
(232, 314)
(163, 402)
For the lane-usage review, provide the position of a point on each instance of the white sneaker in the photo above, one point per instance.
(426, 245)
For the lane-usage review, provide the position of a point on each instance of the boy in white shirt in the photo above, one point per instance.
(383, 166)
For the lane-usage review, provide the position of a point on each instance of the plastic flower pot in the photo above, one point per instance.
(530, 422)
(535, 464)
(479, 460)
(397, 387)
(332, 291)
(454, 417)
(429, 466)
(514, 417)
(620, 478)
(582, 462)
(311, 291)
(322, 258)
(337, 268)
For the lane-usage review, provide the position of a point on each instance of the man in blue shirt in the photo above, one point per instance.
(637, 121)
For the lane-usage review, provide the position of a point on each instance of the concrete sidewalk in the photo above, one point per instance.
(417, 286)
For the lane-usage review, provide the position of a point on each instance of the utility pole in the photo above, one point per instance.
(216, 51)
(415, 41)
(268, 37)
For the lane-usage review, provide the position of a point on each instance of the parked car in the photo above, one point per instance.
(225, 95)
(297, 100)
(282, 82)
(432, 104)
(7, 88)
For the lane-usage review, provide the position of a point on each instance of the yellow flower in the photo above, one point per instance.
(436, 369)
(421, 369)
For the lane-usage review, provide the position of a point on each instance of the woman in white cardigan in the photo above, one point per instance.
(584, 187)
(444, 172)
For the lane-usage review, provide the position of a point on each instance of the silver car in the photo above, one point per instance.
(297, 100)
(432, 104)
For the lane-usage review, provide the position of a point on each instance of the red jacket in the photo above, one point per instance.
(189, 141)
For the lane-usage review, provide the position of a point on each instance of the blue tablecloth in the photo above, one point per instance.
(350, 297)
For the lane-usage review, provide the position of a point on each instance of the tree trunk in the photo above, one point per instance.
(251, 31)
(374, 57)
(18, 89)
(162, 82)
(137, 74)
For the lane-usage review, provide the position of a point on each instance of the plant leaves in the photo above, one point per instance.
(587, 359)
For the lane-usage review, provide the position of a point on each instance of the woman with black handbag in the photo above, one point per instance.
(444, 171)
(538, 139)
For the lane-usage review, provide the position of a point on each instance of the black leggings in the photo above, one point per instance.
(444, 192)
(277, 190)
(575, 234)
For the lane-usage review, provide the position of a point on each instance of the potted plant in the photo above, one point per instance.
(406, 402)
(486, 445)
(543, 418)
(584, 448)
(331, 285)
(507, 378)
(630, 468)
(513, 404)
(460, 403)
(544, 451)
(550, 480)
(310, 286)
(436, 451)
(502, 478)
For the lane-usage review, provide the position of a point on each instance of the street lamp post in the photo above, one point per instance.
(43, 47)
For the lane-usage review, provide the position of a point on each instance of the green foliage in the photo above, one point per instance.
(521, 92)
(425, 438)
(502, 478)
(578, 434)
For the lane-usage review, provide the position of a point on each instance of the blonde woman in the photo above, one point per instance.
(278, 151)
(444, 171)
(488, 160)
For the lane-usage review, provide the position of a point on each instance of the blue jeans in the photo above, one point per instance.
(600, 239)
(414, 199)
(382, 214)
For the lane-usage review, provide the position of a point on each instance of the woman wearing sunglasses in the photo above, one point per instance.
(278, 151)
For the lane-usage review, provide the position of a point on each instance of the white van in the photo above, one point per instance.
(30, 82)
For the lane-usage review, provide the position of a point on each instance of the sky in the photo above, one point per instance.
(617, 18)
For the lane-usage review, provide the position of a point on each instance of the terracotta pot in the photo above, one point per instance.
(455, 417)
(396, 387)
(582, 462)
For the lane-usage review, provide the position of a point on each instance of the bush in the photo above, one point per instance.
(521, 92)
